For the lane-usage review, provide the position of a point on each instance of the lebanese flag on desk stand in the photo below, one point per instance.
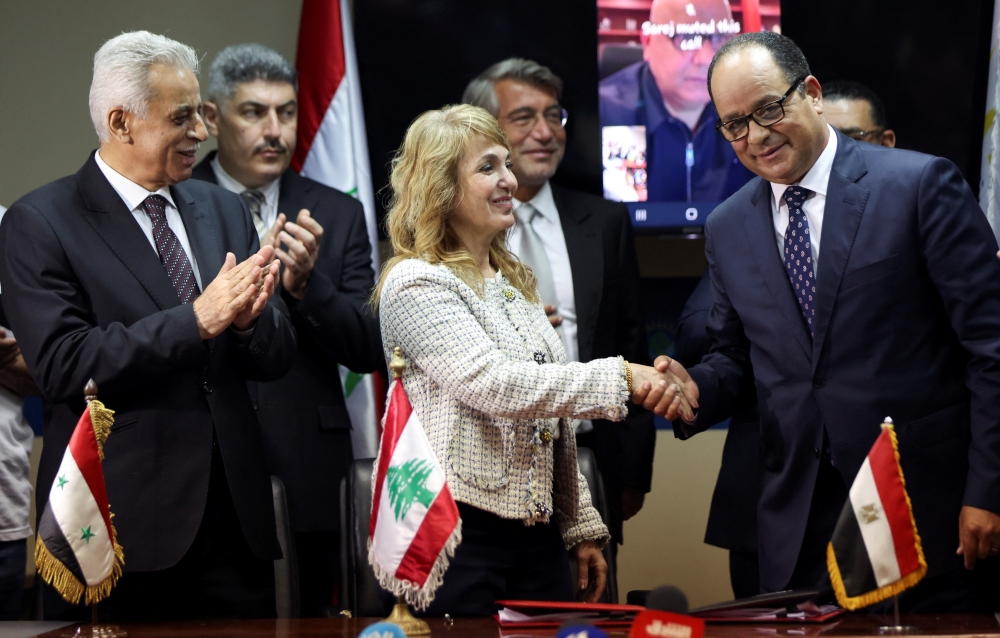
(415, 526)
(875, 552)
(333, 150)
(76, 550)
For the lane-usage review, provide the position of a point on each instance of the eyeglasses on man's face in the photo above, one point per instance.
(526, 120)
(872, 135)
(692, 43)
(767, 115)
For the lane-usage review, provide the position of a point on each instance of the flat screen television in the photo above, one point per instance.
(660, 152)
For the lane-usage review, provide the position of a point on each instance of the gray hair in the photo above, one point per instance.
(246, 63)
(481, 91)
(121, 74)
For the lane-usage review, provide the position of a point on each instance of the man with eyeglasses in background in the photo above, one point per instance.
(851, 282)
(857, 112)
(582, 251)
(666, 93)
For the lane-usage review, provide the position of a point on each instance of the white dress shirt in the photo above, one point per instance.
(134, 195)
(271, 191)
(549, 229)
(816, 179)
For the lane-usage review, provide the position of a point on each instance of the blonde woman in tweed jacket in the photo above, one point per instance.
(487, 374)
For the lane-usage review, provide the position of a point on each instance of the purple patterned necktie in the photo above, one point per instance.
(798, 253)
(172, 254)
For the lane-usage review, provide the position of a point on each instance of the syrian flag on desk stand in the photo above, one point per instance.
(333, 150)
(76, 550)
(415, 527)
(875, 551)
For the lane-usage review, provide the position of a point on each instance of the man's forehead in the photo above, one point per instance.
(515, 94)
(745, 77)
(848, 111)
(264, 91)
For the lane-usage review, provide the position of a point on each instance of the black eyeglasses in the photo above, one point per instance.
(767, 115)
(874, 135)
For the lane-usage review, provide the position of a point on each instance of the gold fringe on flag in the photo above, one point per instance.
(63, 581)
(102, 419)
(867, 599)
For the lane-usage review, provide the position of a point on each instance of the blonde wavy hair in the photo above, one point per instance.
(426, 188)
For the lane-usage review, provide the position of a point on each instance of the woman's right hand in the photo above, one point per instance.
(670, 394)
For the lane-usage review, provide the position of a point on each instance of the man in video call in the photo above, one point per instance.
(582, 251)
(666, 92)
(857, 112)
(852, 282)
(321, 238)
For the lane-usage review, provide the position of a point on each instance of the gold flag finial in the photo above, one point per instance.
(398, 363)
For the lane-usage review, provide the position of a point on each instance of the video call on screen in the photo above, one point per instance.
(660, 151)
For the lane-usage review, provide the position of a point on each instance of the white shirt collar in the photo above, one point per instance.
(228, 182)
(817, 178)
(131, 193)
(543, 203)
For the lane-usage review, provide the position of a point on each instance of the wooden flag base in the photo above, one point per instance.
(411, 626)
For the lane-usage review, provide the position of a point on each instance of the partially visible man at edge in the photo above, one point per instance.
(857, 112)
(325, 281)
(582, 250)
(896, 313)
(110, 274)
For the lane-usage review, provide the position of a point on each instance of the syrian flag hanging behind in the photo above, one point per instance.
(875, 552)
(333, 150)
(76, 550)
(415, 526)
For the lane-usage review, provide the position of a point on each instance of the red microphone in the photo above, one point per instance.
(663, 624)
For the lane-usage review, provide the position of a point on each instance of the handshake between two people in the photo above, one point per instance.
(666, 389)
(239, 293)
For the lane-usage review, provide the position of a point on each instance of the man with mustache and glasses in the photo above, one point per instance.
(320, 236)
(583, 254)
(666, 92)
(155, 287)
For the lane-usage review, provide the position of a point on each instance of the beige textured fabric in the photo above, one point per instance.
(488, 378)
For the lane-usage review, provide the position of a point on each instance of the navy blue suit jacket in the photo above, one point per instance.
(907, 325)
(87, 297)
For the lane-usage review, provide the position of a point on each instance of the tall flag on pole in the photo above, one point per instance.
(333, 150)
(989, 188)
(76, 550)
(415, 526)
(875, 552)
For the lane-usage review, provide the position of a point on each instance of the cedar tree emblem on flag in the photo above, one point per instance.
(415, 526)
(875, 552)
(76, 550)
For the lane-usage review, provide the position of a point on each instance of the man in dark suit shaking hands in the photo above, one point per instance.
(583, 253)
(857, 282)
(320, 236)
(155, 287)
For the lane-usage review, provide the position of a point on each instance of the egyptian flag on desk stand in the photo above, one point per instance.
(415, 527)
(875, 551)
(76, 550)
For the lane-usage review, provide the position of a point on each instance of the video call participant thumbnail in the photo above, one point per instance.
(668, 94)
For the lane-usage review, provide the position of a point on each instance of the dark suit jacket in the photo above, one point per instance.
(907, 325)
(732, 517)
(87, 297)
(307, 430)
(610, 322)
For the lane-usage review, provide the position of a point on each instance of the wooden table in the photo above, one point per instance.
(849, 625)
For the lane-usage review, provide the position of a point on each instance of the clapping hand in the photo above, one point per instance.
(665, 389)
(301, 240)
(238, 294)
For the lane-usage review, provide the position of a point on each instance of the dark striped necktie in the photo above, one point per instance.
(172, 254)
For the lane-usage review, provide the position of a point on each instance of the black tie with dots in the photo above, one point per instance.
(798, 253)
(172, 254)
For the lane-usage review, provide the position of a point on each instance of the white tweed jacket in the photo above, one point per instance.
(489, 381)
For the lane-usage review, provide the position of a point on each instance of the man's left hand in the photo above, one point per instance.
(978, 534)
(590, 565)
(632, 501)
(301, 239)
(246, 318)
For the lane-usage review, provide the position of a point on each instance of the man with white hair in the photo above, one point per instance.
(158, 291)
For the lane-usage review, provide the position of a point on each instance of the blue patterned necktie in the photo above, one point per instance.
(172, 254)
(798, 253)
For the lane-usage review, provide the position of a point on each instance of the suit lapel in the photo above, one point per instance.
(845, 204)
(203, 235)
(111, 219)
(586, 261)
(759, 225)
